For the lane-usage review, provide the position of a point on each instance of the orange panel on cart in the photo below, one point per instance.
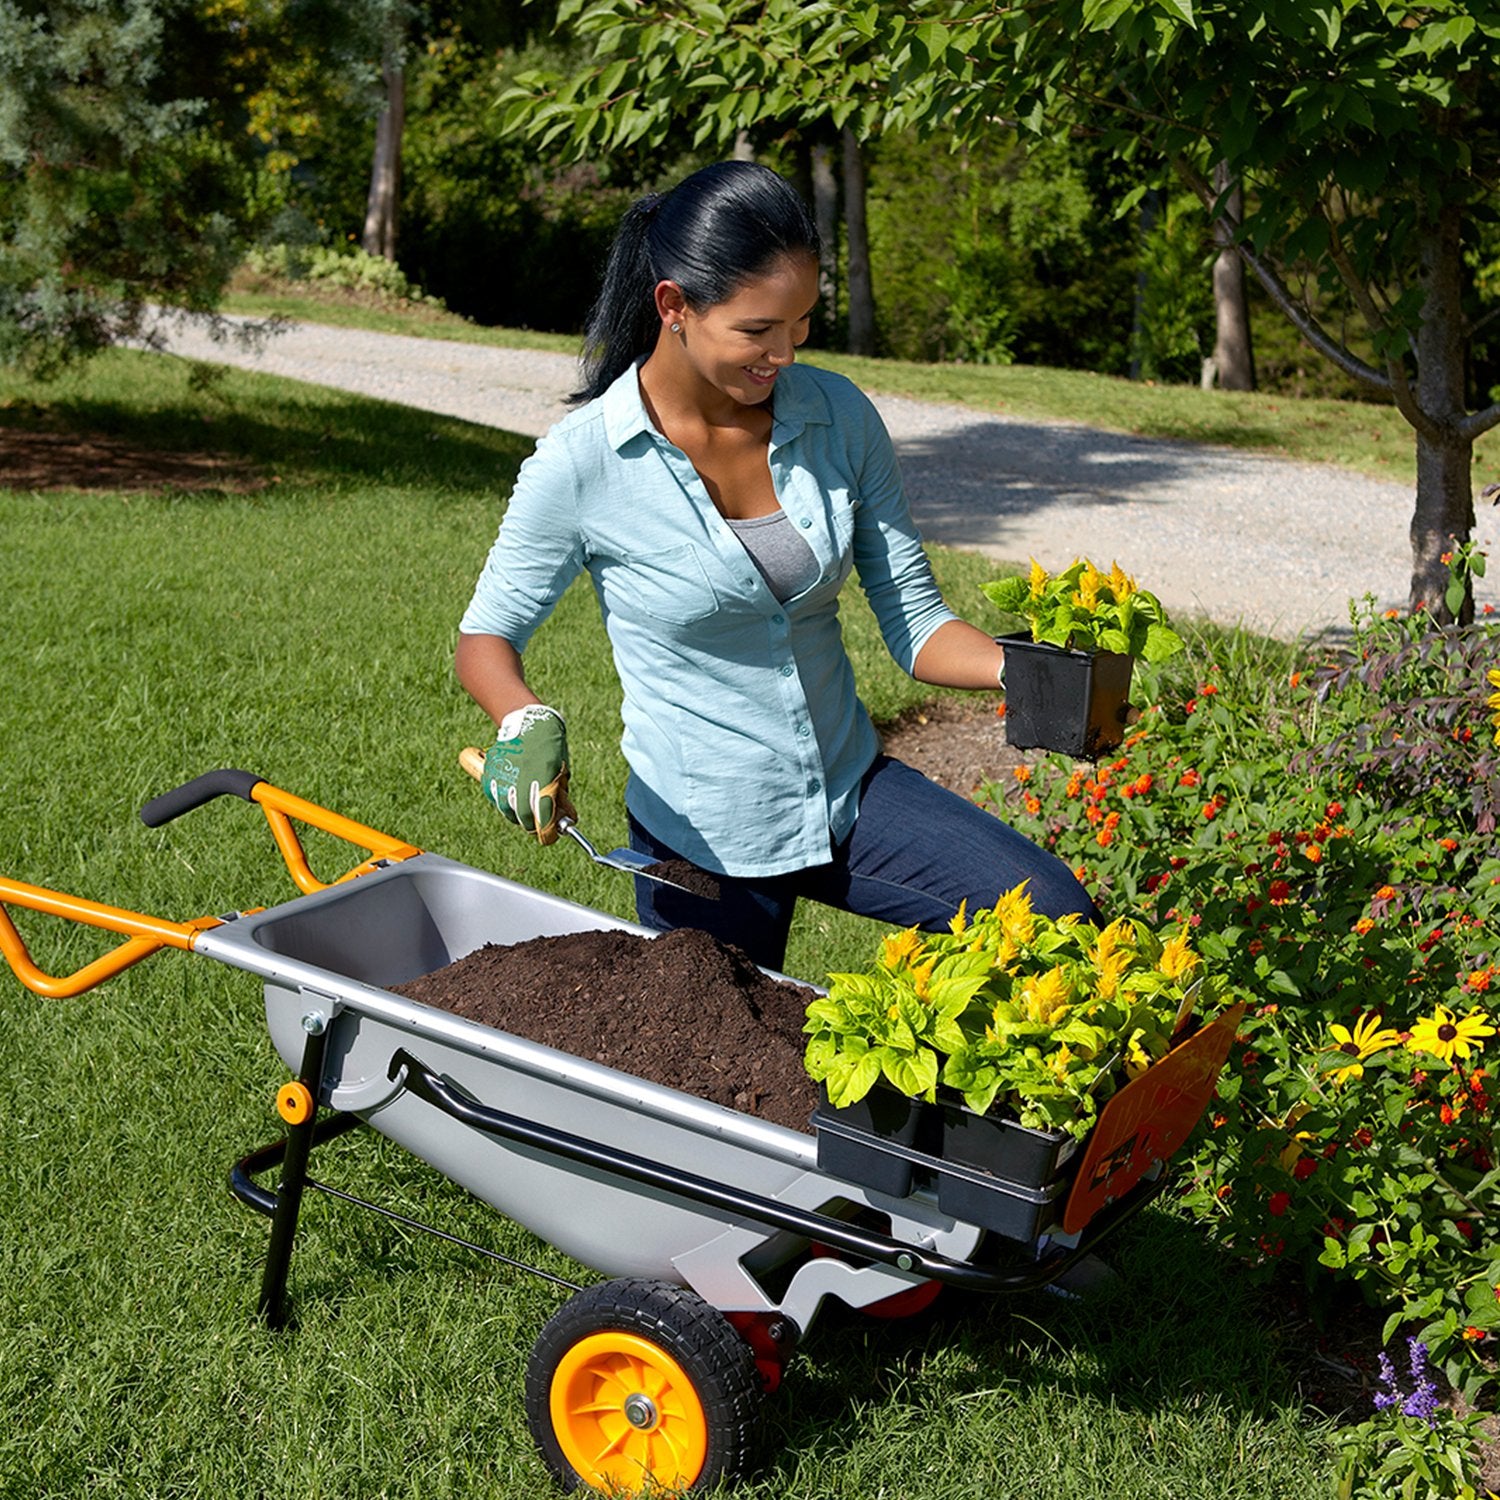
(1149, 1119)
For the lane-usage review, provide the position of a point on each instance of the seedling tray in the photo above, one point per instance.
(1017, 1210)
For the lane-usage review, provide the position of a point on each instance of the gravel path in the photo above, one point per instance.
(1276, 545)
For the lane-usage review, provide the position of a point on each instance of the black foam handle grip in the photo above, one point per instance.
(196, 792)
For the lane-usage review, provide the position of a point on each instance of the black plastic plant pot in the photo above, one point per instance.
(1002, 1147)
(852, 1145)
(1074, 702)
(1019, 1213)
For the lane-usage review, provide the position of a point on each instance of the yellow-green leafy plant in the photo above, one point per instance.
(898, 1020)
(1041, 1018)
(1085, 609)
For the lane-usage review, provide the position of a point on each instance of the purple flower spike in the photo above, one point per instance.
(1423, 1402)
(1389, 1393)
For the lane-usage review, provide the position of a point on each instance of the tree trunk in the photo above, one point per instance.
(825, 202)
(857, 241)
(383, 204)
(1233, 357)
(1445, 453)
(1138, 304)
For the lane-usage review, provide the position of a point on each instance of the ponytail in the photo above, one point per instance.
(713, 232)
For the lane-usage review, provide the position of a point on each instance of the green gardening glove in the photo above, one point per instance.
(526, 771)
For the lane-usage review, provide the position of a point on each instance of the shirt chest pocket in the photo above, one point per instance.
(671, 585)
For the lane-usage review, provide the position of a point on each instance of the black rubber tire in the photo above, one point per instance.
(717, 1362)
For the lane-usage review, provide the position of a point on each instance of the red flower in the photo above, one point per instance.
(1191, 706)
(1333, 810)
(1464, 1228)
(1306, 1166)
(1188, 778)
(1279, 891)
(1360, 1139)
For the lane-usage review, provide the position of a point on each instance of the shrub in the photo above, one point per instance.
(346, 269)
(1331, 844)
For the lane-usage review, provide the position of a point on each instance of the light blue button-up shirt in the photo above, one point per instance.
(744, 735)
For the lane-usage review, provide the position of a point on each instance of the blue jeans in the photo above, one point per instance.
(917, 850)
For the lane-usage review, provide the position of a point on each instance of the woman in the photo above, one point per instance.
(719, 494)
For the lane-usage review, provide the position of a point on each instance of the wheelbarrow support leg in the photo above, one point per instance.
(299, 1144)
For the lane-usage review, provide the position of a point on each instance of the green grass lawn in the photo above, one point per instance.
(303, 631)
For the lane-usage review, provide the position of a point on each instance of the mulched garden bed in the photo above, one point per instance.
(681, 1009)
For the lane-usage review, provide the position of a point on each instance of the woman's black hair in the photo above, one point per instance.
(713, 232)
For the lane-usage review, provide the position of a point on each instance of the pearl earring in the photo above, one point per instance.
(677, 328)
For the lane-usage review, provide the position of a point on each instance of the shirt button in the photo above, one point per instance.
(815, 786)
(803, 732)
(786, 671)
(806, 522)
(778, 619)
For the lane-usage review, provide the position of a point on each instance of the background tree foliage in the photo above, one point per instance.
(1363, 132)
(119, 185)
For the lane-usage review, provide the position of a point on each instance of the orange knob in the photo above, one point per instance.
(295, 1103)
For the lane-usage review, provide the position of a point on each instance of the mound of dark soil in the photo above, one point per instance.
(681, 1009)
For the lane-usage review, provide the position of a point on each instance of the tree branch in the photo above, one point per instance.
(1302, 320)
(1477, 423)
(1400, 385)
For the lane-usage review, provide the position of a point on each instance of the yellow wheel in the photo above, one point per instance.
(640, 1383)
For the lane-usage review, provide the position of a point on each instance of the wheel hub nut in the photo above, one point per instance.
(640, 1411)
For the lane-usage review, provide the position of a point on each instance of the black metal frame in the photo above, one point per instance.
(293, 1152)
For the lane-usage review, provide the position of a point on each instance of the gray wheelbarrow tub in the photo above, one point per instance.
(332, 954)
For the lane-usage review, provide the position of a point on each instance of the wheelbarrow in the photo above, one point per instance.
(719, 1235)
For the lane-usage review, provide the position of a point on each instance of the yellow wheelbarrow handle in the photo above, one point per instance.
(144, 935)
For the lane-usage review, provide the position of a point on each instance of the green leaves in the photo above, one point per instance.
(1085, 609)
(1050, 1015)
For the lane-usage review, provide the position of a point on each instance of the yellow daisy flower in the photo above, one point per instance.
(1366, 1039)
(1447, 1038)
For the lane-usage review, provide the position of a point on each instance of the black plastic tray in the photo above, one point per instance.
(1017, 1210)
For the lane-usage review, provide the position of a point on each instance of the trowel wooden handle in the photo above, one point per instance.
(472, 761)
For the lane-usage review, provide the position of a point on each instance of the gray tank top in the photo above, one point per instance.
(785, 561)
